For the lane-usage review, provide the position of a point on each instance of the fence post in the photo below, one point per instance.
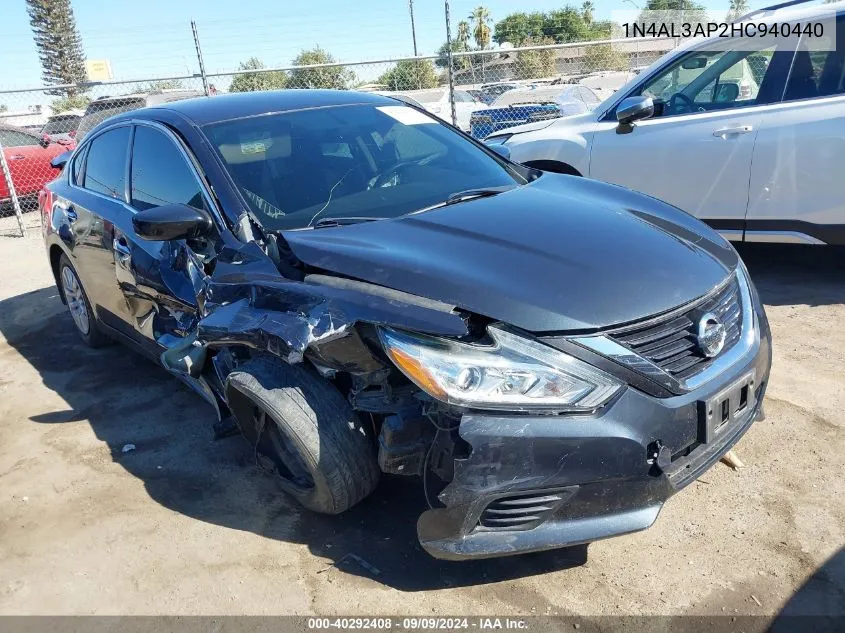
(7, 175)
(451, 67)
(199, 57)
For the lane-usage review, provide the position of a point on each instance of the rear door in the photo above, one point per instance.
(796, 192)
(154, 277)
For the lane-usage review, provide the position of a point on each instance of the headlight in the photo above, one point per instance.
(514, 373)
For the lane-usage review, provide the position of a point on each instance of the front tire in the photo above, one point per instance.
(304, 431)
(78, 305)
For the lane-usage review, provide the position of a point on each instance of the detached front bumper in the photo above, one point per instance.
(544, 482)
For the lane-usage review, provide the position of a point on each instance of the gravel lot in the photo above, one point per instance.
(185, 525)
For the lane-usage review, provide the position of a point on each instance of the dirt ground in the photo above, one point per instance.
(186, 525)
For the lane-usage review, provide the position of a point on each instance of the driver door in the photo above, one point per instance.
(695, 152)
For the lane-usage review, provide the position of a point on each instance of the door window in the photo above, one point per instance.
(105, 168)
(818, 73)
(704, 80)
(160, 173)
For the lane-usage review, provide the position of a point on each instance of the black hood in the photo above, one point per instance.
(562, 253)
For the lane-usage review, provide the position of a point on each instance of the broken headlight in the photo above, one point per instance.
(513, 373)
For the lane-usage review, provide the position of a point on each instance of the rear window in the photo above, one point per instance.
(97, 112)
(61, 125)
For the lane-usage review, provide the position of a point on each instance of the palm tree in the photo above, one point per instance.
(587, 12)
(463, 35)
(480, 17)
(737, 9)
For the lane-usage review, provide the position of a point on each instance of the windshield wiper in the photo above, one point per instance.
(330, 222)
(471, 194)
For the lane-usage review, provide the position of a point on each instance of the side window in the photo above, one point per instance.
(105, 168)
(711, 80)
(818, 73)
(160, 174)
(76, 169)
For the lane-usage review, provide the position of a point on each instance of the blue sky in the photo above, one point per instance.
(150, 38)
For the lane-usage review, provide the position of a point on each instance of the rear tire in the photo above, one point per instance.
(78, 305)
(306, 432)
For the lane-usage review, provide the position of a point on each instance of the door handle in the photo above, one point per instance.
(730, 131)
(121, 250)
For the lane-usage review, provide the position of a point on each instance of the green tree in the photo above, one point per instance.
(480, 19)
(587, 10)
(538, 63)
(604, 57)
(59, 45)
(463, 35)
(518, 27)
(336, 77)
(252, 82)
(76, 102)
(442, 60)
(410, 75)
(566, 25)
(665, 11)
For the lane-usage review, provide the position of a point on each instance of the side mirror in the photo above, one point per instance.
(502, 150)
(171, 222)
(44, 141)
(61, 160)
(633, 109)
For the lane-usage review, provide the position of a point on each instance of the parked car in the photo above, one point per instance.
(524, 105)
(364, 290)
(748, 140)
(61, 127)
(482, 97)
(495, 90)
(28, 156)
(104, 107)
(436, 101)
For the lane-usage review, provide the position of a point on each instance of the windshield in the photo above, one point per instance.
(61, 125)
(354, 161)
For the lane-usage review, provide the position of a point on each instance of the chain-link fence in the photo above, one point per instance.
(481, 92)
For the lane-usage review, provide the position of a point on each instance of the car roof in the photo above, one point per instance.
(66, 113)
(204, 110)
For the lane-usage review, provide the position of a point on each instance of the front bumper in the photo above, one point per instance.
(544, 482)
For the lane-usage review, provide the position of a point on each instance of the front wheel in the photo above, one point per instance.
(305, 432)
(78, 305)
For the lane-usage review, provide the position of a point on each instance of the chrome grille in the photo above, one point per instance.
(521, 511)
(671, 343)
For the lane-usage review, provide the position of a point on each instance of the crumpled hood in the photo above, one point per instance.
(562, 253)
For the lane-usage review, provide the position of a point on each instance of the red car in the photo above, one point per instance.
(28, 157)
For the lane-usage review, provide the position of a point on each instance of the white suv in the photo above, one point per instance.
(752, 142)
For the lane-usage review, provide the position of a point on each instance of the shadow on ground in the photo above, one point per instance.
(127, 399)
(819, 605)
(790, 275)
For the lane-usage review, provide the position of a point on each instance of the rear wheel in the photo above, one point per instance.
(305, 432)
(78, 305)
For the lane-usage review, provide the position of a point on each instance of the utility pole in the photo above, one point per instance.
(413, 28)
(451, 65)
(199, 58)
